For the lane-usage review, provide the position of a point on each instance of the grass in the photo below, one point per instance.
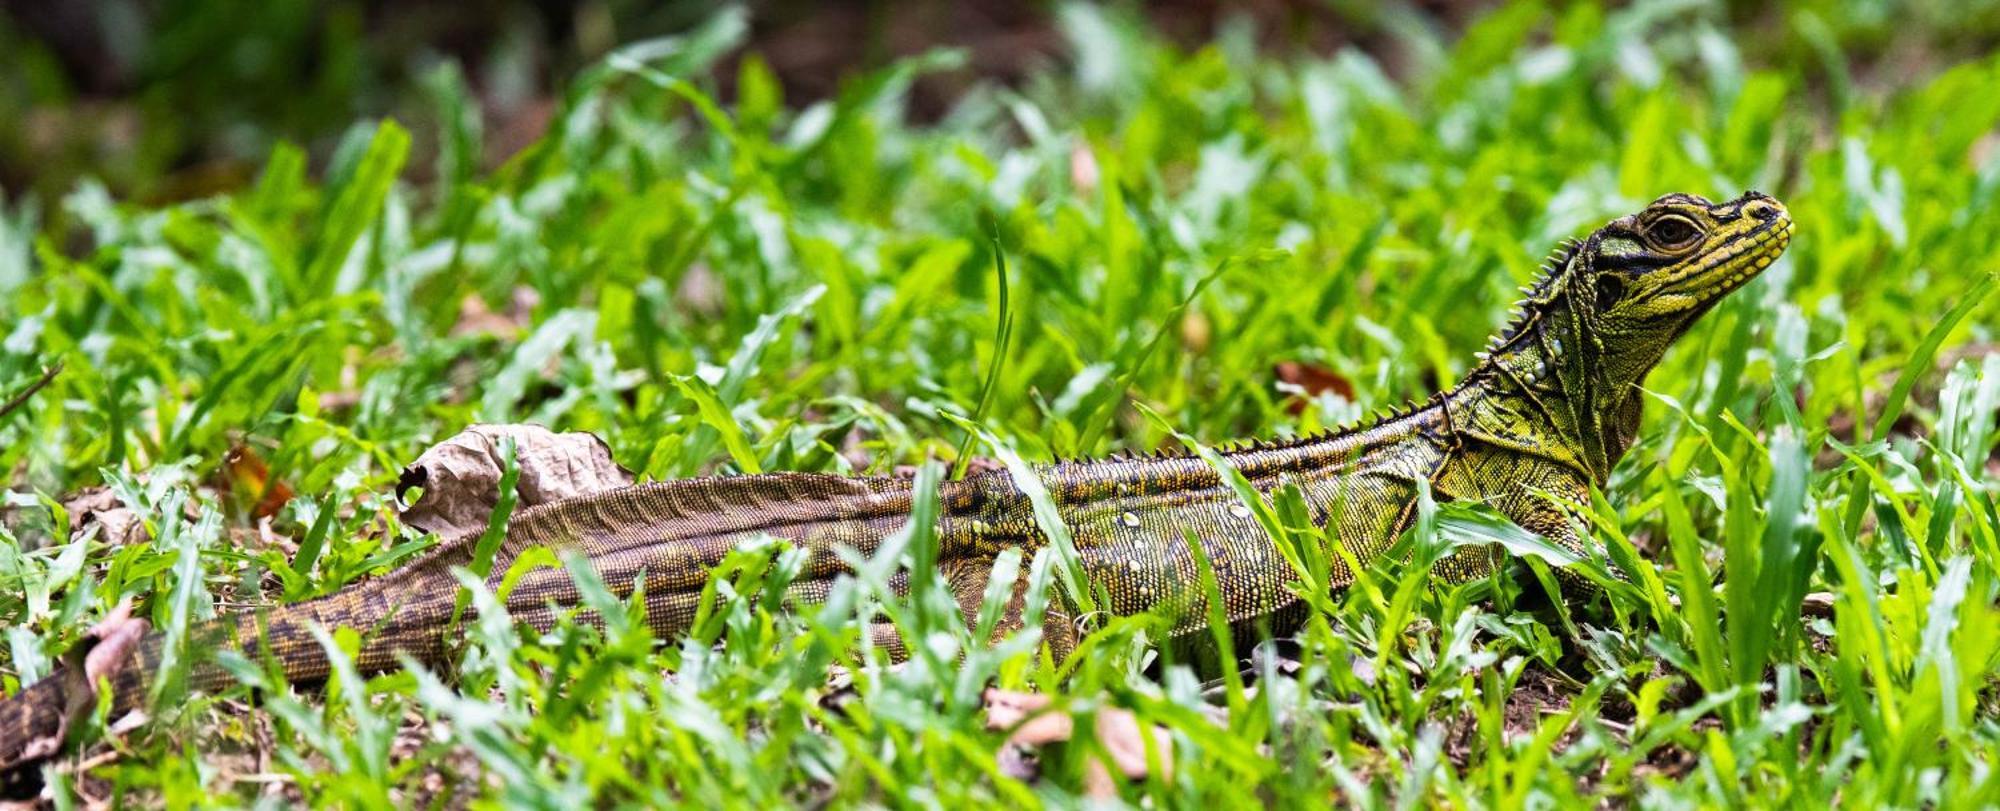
(755, 284)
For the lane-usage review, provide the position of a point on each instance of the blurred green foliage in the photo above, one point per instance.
(172, 99)
(1175, 221)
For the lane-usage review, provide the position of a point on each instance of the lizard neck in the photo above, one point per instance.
(1545, 389)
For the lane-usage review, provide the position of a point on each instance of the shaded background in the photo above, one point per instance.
(171, 99)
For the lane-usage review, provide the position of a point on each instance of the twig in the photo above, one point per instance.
(48, 376)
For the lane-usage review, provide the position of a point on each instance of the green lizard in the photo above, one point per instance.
(1543, 415)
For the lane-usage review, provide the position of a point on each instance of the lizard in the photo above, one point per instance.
(1542, 416)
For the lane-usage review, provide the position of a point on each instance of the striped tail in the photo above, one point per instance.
(670, 533)
(34, 723)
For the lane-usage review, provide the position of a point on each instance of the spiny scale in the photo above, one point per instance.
(1535, 294)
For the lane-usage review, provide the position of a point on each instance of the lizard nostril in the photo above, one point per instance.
(1761, 210)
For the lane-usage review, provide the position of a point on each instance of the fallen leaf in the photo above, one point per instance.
(460, 476)
(250, 479)
(1307, 381)
(476, 318)
(98, 510)
(1032, 723)
(521, 124)
(114, 636)
(104, 649)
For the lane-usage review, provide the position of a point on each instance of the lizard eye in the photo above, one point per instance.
(1610, 288)
(1673, 232)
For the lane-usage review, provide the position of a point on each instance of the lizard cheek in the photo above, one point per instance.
(1663, 305)
(1679, 303)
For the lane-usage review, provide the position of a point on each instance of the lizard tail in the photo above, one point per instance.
(35, 722)
(668, 533)
(668, 536)
(28, 719)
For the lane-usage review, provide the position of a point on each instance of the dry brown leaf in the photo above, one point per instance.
(251, 480)
(1307, 381)
(98, 510)
(114, 636)
(476, 318)
(461, 475)
(1031, 723)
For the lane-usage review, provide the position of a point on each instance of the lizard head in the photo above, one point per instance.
(1645, 278)
(1608, 307)
(1653, 273)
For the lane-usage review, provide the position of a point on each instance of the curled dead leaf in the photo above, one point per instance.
(251, 480)
(99, 511)
(114, 638)
(1307, 381)
(460, 476)
(1032, 724)
(106, 648)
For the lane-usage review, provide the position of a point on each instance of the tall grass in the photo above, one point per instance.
(762, 285)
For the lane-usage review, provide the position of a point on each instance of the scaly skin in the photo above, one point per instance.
(1545, 413)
